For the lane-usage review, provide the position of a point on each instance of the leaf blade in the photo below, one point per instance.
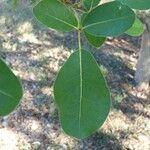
(137, 4)
(55, 15)
(89, 4)
(73, 103)
(117, 19)
(137, 28)
(9, 96)
(95, 41)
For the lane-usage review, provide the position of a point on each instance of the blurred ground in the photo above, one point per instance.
(35, 54)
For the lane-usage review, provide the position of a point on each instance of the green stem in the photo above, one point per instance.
(79, 30)
(79, 40)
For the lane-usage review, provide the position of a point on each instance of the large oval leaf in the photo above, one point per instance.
(109, 19)
(55, 14)
(95, 41)
(137, 28)
(82, 95)
(10, 90)
(137, 4)
(89, 4)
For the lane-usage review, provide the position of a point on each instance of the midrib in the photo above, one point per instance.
(106, 21)
(81, 92)
(4, 93)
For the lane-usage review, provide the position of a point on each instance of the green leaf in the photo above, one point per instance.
(82, 95)
(137, 4)
(55, 14)
(109, 19)
(10, 90)
(95, 41)
(83, 16)
(89, 4)
(137, 28)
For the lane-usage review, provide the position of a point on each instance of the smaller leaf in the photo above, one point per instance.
(89, 4)
(95, 41)
(137, 28)
(10, 90)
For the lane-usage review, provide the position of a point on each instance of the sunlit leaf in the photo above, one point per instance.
(137, 28)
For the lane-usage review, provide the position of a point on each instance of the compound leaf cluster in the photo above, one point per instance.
(80, 90)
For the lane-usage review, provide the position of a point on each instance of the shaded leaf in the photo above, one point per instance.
(137, 4)
(10, 90)
(137, 28)
(55, 14)
(95, 41)
(109, 19)
(82, 95)
(89, 4)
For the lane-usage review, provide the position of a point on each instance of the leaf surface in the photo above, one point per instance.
(137, 4)
(95, 41)
(89, 4)
(55, 14)
(137, 28)
(109, 19)
(10, 90)
(82, 95)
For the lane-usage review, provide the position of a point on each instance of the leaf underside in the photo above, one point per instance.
(10, 90)
(82, 95)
